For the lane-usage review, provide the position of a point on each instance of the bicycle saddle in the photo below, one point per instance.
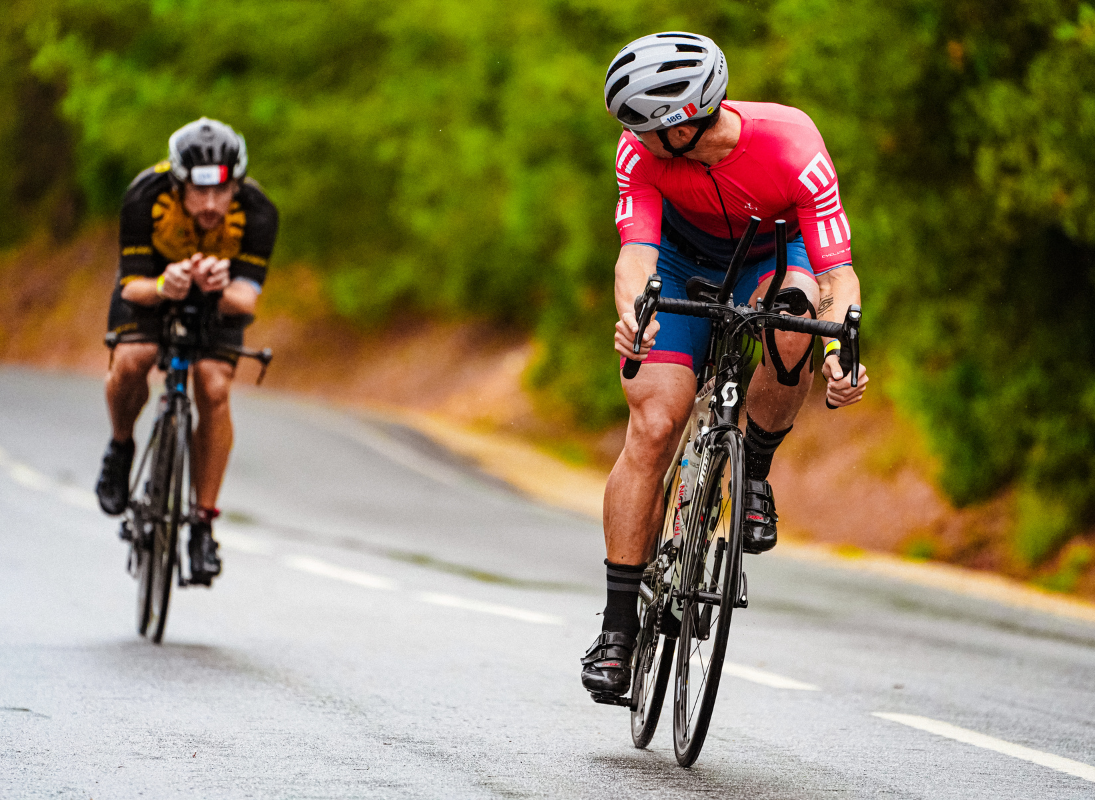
(699, 290)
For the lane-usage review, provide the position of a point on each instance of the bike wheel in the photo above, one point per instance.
(653, 660)
(144, 584)
(653, 665)
(165, 542)
(145, 494)
(710, 583)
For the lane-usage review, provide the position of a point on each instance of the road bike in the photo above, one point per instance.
(161, 493)
(695, 578)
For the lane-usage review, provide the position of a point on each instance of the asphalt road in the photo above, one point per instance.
(391, 623)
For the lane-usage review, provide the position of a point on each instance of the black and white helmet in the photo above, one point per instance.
(207, 153)
(665, 79)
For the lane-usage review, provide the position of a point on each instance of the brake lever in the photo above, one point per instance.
(849, 346)
(265, 355)
(645, 306)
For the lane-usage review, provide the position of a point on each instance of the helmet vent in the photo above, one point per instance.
(668, 90)
(677, 36)
(619, 63)
(616, 87)
(707, 84)
(668, 65)
(690, 48)
(629, 116)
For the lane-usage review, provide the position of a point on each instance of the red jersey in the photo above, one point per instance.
(779, 169)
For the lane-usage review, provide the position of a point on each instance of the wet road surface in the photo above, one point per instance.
(392, 623)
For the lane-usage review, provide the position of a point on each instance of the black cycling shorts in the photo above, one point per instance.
(136, 323)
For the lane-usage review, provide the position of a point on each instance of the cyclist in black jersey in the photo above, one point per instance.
(193, 227)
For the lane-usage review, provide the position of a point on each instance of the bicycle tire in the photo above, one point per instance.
(704, 566)
(166, 539)
(653, 659)
(143, 520)
(649, 687)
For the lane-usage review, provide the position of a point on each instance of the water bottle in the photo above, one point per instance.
(690, 466)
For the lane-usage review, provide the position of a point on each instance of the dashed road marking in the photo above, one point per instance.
(356, 577)
(765, 678)
(452, 601)
(945, 729)
(38, 481)
(31, 478)
(315, 566)
(761, 676)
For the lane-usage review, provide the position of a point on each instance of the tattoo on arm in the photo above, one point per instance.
(825, 304)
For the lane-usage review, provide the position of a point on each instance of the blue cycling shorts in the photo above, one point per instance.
(683, 340)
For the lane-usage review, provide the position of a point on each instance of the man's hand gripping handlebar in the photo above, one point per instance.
(849, 347)
(848, 332)
(645, 306)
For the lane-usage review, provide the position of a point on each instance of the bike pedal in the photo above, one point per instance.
(743, 600)
(125, 532)
(611, 699)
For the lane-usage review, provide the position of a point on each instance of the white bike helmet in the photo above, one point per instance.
(207, 153)
(664, 79)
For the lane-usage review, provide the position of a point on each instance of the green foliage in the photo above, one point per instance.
(922, 547)
(1073, 563)
(455, 159)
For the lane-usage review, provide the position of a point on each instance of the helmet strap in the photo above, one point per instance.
(687, 147)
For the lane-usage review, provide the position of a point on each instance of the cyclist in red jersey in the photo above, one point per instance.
(692, 169)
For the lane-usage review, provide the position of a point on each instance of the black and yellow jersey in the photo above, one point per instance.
(157, 231)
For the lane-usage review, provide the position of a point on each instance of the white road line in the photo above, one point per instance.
(452, 601)
(232, 539)
(75, 496)
(1066, 765)
(356, 577)
(316, 567)
(40, 482)
(763, 677)
(82, 498)
(29, 477)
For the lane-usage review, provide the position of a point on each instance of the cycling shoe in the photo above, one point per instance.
(112, 489)
(606, 666)
(205, 564)
(760, 517)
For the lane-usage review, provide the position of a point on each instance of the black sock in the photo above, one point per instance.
(760, 446)
(621, 611)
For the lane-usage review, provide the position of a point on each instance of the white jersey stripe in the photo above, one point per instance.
(622, 156)
(822, 234)
(631, 164)
(624, 209)
(836, 231)
(830, 207)
(847, 227)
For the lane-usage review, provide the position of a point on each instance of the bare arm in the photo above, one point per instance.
(839, 289)
(239, 297)
(174, 284)
(141, 291)
(635, 264)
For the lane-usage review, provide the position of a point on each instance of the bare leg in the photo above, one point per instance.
(660, 398)
(213, 436)
(772, 405)
(127, 386)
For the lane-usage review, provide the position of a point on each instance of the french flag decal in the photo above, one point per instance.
(689, 110)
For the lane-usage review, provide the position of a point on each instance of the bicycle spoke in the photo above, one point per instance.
(708, 569)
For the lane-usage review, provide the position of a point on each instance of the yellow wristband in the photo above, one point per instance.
(159, 285)
(832, 347)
